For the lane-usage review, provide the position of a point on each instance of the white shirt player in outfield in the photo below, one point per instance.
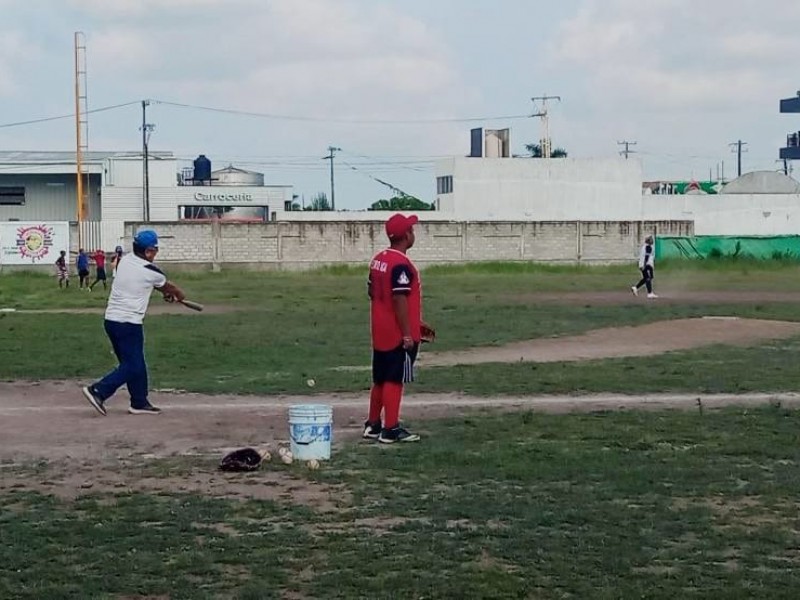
(647, 262)
(135, 281)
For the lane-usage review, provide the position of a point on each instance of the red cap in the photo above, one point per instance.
(398, 225)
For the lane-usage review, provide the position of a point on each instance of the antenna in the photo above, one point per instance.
(543, 114)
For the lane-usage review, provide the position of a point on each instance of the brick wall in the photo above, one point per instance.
(298, 245)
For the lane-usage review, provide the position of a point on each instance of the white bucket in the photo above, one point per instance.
(311, 431)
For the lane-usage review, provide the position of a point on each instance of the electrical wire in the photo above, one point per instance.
(350, 121)
(69, 116)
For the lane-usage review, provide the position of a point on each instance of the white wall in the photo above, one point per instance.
(729, 214)
(542, 189)
(122, 198)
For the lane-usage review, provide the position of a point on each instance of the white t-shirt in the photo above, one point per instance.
(130, 292)
(647, 256)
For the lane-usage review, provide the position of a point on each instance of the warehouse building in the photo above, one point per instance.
(41, 187)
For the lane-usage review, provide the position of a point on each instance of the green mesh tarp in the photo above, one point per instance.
(712, 246)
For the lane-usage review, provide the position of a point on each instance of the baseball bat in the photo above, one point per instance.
(193, 305)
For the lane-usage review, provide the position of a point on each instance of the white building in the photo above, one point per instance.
(537, 189)
(41, 186)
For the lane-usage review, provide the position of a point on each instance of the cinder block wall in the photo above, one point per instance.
(300, 245)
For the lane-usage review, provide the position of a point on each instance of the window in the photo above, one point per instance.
(12, 196)
(444, 185)
(224, 213)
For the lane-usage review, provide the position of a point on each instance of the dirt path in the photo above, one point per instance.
(666, 296)
(615, 342)
(154, 309)
(52, 420)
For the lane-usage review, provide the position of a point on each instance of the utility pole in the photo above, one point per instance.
(332, 154)
(147, 129)
(543, 114)
(81, 132)
(627, 150)
(737, 148)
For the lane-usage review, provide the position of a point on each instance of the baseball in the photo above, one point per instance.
(287, 458)
(266, 456)
(311, 383)
(313, 464)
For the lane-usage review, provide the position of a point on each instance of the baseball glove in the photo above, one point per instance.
(428, 333)
(244, 459)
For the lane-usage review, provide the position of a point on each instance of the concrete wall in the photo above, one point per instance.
(729, 214)
(542, 189)
(300, 245)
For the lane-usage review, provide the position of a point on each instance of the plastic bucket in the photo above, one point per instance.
(310, 431)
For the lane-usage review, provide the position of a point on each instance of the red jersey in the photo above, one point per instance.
(392, 272)
(100, 259)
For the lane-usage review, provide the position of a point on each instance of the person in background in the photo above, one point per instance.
(82, 262)
(62, 270)
(136, 279)
(100, 263)
(647, 260)
(115, 260)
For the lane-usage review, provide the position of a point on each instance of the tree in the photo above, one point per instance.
(402, 202)
(535, 150)
(319, 202)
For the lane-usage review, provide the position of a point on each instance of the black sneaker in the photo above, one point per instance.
(372, 431)
(397, 434)
(147, 409)
(94, 400)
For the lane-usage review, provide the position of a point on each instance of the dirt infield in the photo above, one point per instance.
(616, 342)
(52, 420)
(665, 296)
(90, 454)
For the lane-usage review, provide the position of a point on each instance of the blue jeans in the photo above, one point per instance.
(128, 342)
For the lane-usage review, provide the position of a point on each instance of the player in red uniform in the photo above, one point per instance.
(396, 317)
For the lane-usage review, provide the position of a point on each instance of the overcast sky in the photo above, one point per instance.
(683, 78)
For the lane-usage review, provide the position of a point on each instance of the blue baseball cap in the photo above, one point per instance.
(147, 238)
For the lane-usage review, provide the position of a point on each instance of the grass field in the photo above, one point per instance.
(698, 504)
(632, 505)
(290, 327)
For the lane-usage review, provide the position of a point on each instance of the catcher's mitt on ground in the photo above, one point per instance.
(428, 333)
(244, 459)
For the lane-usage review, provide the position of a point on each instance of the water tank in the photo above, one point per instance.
(232, 176)
(202, 170)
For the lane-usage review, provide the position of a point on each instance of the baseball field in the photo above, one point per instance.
(577, 442)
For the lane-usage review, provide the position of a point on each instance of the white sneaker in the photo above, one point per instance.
(651, 296)
(635, 290)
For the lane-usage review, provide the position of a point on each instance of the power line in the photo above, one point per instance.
(394, 188)
(69, 116)
(351, 121)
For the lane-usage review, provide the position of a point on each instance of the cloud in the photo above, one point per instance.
(316, 57)
(679, 54)
(16, 51)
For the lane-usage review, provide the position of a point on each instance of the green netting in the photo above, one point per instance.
(712, 246)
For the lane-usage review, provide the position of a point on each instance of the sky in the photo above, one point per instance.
(393, 82)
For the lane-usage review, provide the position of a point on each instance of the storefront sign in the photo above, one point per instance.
(223, 197)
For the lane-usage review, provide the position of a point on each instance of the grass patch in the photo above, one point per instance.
(609, 505)
(288, 327)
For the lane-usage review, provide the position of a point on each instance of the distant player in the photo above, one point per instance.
(396, 318)
(136, 278)
(62, 270)
(115, 260)
(82, 263)
(647, 261)
(99, 258)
